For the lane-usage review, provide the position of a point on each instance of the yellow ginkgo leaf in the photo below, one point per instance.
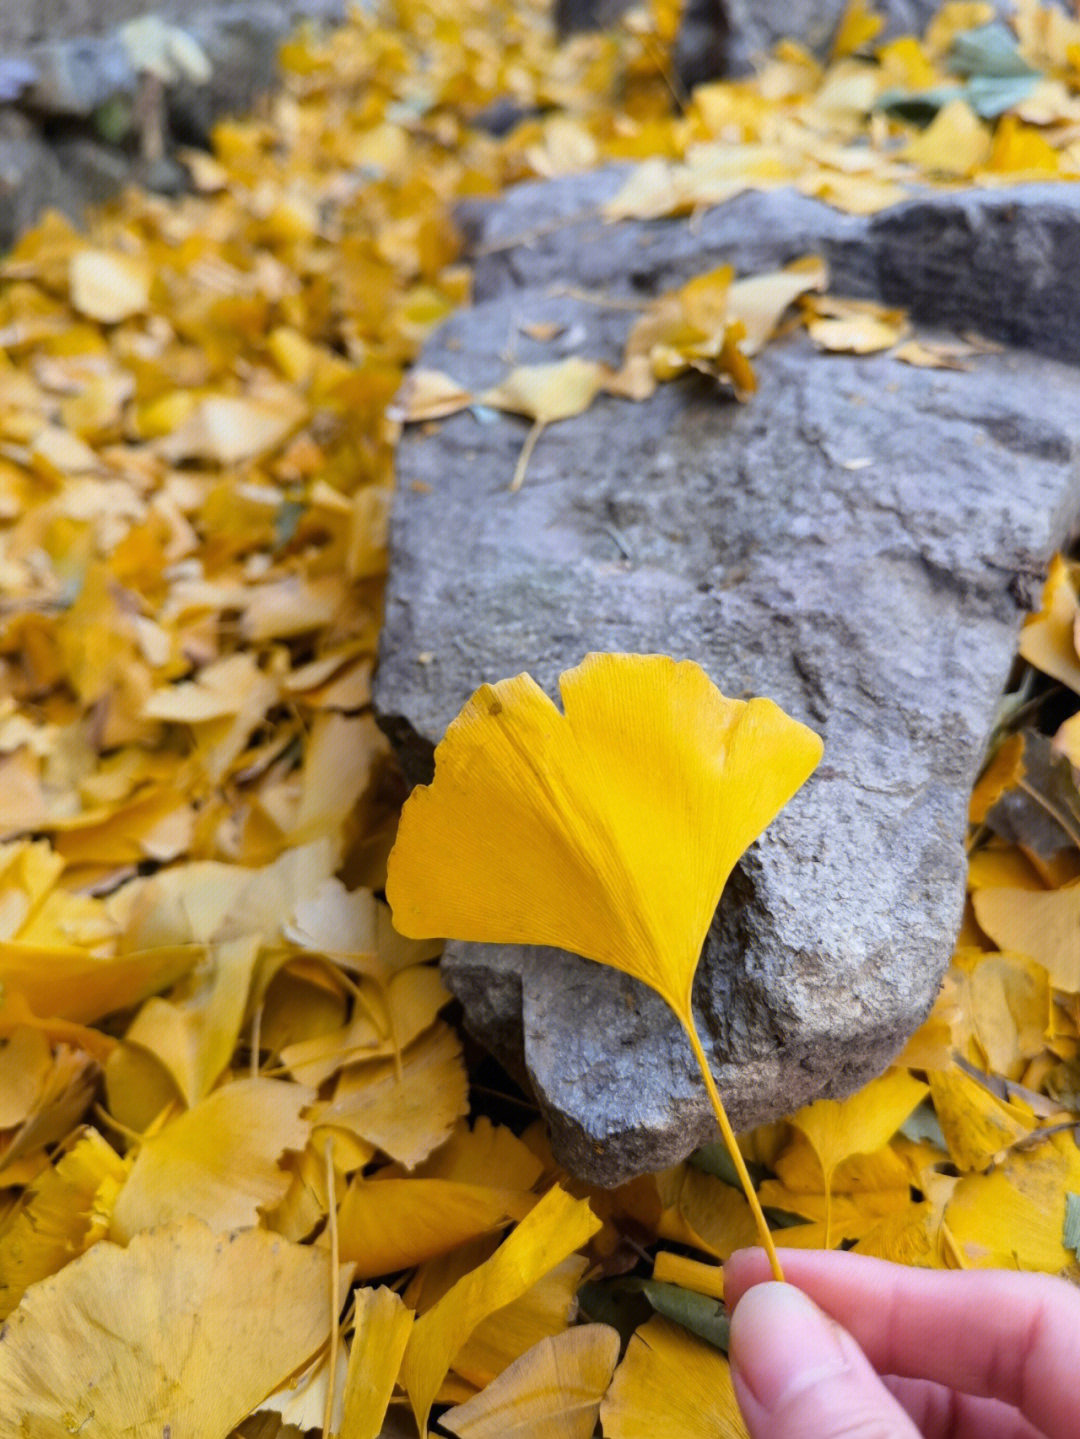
(409, 1113)
(608, 830)
(556, 1227)
(1047, 640)
(1043, 924)
(552, 1392)
(70, 983)
(862, 1124)
(193, 1033)
(759, 301)
(65, 1210)
(671, 1385)
(228, 429)
(428, 395)
(390, 1224)
(1014, 1217)
(219, 1161)
(109, 286)
(546, 1308)
(488, 1154)
(546, 393)
(382, 1328)
(173, 1334)
(976, 1124)
(956, 142)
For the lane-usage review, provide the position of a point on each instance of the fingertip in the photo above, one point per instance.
(742, 1270)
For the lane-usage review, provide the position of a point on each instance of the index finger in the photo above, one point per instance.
(1000, 1334)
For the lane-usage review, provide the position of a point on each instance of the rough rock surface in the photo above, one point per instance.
(855, 542)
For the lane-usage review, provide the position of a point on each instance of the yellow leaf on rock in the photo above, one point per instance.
(858, 26)
(857, 327)
(553, 1230)
(219, 1161)
(608, 830)
(548, 392)
(109, 286)
(390, 1224)
(956, 142)
(125, 1339)
(552, 1392)
(759, 301)
(671, 1385)
(429, 395)
(1043, 924)
(382, 1326)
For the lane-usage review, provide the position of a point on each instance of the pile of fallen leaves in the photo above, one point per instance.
(236, 1150)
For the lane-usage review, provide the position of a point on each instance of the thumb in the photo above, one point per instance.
(798, 1375)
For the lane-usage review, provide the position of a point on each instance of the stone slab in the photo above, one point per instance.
(857, 542)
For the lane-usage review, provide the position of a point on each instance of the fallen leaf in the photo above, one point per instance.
(218, 1161)
(671, 1385)
(552, 1230)
(125, 1338)
(381, 1328)
(552, 1392)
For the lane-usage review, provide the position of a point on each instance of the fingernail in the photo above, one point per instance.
(781, 1343)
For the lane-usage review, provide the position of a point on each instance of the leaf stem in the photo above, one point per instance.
(335, 1294)
(733, 1149)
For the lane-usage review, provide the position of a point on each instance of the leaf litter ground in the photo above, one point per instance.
(243, 1191)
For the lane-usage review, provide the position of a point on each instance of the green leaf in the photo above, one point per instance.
(715, 1160)
(991, 95)
(1070, 1238)
(618, 1302)
(703, 1316)
(988, 51)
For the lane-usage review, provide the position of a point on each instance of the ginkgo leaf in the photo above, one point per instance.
(1043, 924)
(109, 286)
(1047, 640)
(226, 429)
(486, 1154)
(193, 1033)
(390, 1224)
(552, 1392)
(546, 393)
(125, 1339)
(556, 1227)
(759, 301)
(956, 142)
(429, 395)
(671, 1385)
(862, 1124)
(71, 983)
(1013, 1217)
(66, 1209)
(546, 1308)
(409, 1113)
(977, 1124)
(549, 392)
(608, 830)
(382, 1325)
(219, 1161)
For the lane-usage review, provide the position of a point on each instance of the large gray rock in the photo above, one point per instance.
(855, 542)
(1004, 262)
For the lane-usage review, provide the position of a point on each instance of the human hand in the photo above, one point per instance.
(969, 1354)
